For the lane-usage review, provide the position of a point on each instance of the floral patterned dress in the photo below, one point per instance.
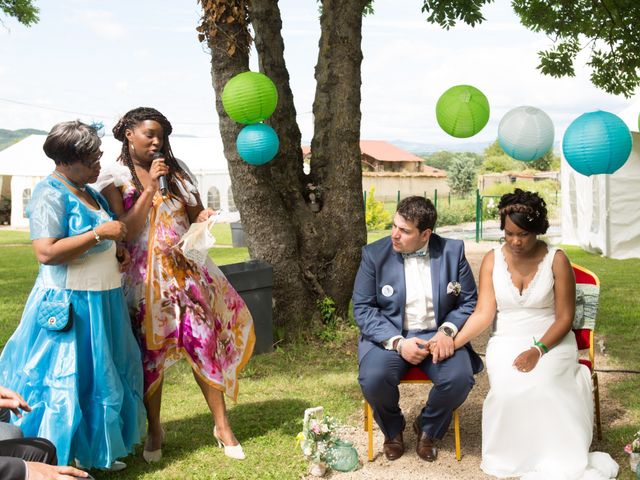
(179, 308)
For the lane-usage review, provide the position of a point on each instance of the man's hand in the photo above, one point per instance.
(414, 350)
(13, 401)
(42, 471)
(441, 347)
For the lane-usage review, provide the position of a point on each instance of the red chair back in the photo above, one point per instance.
(584, 336)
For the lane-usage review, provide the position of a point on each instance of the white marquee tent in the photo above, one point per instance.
(601, 213)
(24, 164)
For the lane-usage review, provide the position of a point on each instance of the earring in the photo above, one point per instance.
(132, 147)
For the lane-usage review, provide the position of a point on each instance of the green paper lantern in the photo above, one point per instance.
(462, 111)
(249, 97)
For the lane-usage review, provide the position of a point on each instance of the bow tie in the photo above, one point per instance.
(419, 253)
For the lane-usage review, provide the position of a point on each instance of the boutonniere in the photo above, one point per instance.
(454, 287)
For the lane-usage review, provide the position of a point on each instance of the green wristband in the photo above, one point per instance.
(538, 343)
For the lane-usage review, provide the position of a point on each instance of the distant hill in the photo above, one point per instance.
(9, 137)
(422, 149)
(427, 148)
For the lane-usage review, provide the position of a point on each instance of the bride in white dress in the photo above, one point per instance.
(537, 420)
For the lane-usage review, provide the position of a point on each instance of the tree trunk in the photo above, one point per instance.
(314, 254)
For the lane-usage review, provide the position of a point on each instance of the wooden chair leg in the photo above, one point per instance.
(596, 398)
(369, 428)
(456, 433)
(365, 416)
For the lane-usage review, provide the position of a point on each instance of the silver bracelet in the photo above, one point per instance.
(539, 351)
(399, 346)
(97, 237)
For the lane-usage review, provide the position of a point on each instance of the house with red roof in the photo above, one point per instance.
(389, 170)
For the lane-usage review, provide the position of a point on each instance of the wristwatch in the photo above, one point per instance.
(447, 330)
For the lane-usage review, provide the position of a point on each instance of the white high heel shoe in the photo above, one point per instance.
(153, 456)
(231, 451)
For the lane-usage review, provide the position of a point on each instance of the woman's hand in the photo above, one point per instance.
(527, 360)
(114, 230)
(13, 401)
(123, 256)
(204, 215)
(157, 169)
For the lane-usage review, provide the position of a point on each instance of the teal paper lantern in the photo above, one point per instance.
(249, 97)
(462, 111)
(257, 144)
(597, 142)
(525, 133)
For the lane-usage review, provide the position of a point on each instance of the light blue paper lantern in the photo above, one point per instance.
(257, 144)
(597, 142)
(525, 133)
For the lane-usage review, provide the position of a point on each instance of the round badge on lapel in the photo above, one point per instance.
(387, 290)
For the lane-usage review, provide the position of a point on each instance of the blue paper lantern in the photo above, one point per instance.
(525, 133)
(257, 144)
(597, 142)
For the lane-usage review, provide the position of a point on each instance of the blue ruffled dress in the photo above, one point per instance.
(84, 385)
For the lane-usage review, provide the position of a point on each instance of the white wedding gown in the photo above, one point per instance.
(536, 425)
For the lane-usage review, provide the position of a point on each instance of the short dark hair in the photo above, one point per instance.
(527, 210)
(418, 210)
(71, 142)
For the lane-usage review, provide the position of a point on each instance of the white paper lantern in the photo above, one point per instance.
(525, 133)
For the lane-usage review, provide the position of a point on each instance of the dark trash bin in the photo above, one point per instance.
(237, 235)
(253, 280)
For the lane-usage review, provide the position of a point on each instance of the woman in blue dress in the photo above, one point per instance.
(73, 357)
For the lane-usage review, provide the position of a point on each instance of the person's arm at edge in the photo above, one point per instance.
(565, 300)
(485, 310)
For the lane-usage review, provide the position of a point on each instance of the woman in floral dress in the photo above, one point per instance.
(178, 308)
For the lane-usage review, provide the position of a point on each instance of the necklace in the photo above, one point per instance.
(66, 179)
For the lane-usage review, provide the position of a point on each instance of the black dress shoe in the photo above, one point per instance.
(393, 448)
(425, 445)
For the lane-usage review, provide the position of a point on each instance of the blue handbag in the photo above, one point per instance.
(55, 315)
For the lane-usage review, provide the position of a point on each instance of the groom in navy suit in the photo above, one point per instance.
(413, 292)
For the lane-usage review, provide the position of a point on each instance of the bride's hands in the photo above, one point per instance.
(527, 360)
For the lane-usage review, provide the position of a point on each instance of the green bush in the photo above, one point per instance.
(376, 215)
(461, 211)
(547, 189)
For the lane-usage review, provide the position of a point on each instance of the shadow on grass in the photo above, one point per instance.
(257, 426)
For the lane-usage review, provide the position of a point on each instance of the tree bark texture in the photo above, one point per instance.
(314, 254)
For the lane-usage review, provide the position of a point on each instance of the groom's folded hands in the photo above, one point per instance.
(414, 350)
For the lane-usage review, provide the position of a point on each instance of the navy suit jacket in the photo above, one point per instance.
(380, 317)
(12, 468)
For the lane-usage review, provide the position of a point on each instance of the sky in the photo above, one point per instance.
(95, 60)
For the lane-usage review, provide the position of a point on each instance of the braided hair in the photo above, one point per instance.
(131, 119)
(527, 210)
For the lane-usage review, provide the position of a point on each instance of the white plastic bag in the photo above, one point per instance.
(197, 241)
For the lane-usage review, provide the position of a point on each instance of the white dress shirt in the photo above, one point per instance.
(418, 310)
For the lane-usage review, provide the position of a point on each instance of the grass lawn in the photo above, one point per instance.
(277, 387)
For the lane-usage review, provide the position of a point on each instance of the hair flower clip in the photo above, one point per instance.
(98, 127)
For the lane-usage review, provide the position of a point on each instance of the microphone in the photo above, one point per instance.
(162, 179)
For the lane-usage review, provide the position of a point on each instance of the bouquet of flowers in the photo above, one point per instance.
(317, 435)
(634, 446)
